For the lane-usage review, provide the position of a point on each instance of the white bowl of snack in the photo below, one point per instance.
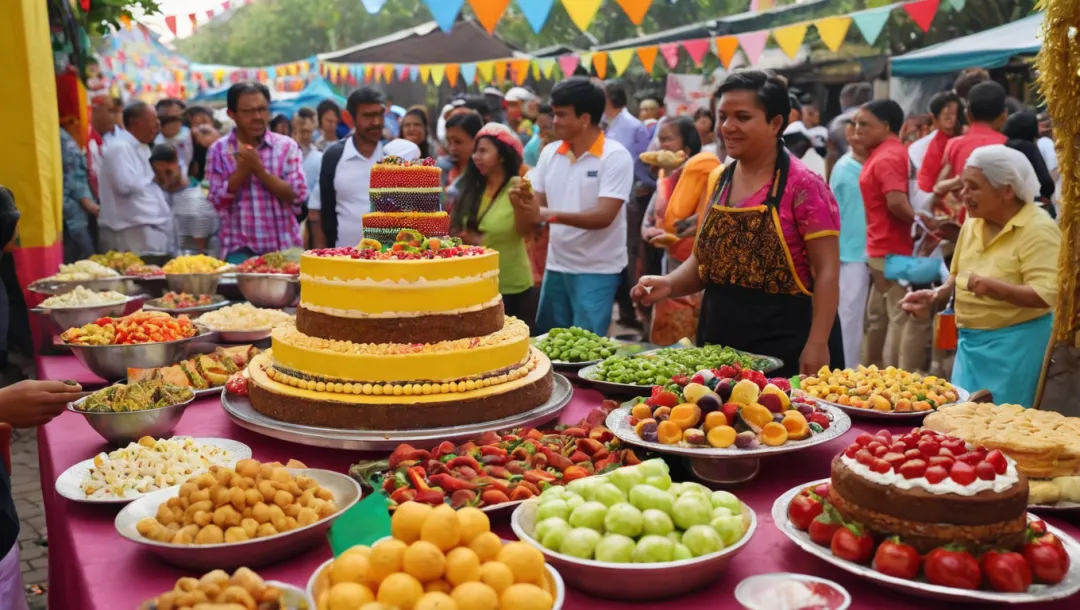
(243, 322)
(81, 306)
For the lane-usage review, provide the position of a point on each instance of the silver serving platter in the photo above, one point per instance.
(1060, 507)
(633, 581)
(155, 305)
(244, 415)
(569, 367)
(270, 290)
(611, 388)
(69, 483)
(194, 283)
(74, 317)
(315, 587)
(774, 363)
(122, 427)
(250, 553)
(962, 395)
(1035, 594)
(618, 421)
(122, 284)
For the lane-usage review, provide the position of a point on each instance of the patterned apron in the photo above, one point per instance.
(754, 300)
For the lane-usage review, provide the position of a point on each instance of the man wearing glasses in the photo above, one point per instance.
(256, 179)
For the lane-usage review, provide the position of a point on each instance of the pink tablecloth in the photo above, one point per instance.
(92, 568)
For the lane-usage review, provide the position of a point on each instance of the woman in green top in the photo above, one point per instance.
(484, 215)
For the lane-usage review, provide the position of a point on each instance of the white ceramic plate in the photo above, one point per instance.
(69, 483)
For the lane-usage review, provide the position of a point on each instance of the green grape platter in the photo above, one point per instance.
(658, 367)
(575, 347)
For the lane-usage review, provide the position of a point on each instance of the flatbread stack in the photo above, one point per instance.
(663, 158)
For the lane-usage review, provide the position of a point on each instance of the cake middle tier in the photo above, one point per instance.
(401, 362)
(424, 200)
(385, 226)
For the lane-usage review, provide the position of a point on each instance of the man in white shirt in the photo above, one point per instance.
(581, 184)
(170, 112)
(135, 216)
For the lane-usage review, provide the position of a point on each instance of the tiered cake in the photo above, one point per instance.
(402, 335)
(405, 195)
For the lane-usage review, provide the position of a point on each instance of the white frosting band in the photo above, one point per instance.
(946, 486)
(454, 281)
(352, 313)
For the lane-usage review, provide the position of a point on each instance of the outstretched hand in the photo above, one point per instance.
(651, 289)
(31, 403)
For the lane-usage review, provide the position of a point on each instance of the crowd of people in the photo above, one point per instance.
(822, 244)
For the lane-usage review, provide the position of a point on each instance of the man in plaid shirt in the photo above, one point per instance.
(256, 179)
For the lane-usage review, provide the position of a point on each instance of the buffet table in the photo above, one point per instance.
(92, 568)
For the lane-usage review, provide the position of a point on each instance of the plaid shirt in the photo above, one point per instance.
(254, 218)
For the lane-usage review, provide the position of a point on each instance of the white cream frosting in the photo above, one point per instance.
(454, 281)
(352, 313)
(946, 486)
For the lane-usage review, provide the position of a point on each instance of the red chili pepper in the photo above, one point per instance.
(450, 484)
(521, 493)
(403, 495)
(629, 458)
(493, 496)
(573, 473)
(406, 452)
(466, 472)
(444, 448)
(555, 459)
(575, 432)
(589, 446)
(578, 457)
(532, 487)
(492, 483)
(467, 449)
(517, 467)
(538, 476)
(488, 438)
(534, 434)
(602, 434)
(499, 472)
(493, 450)
(416, 477)
(494, 460)
(600, 465)
(538, 461)
(430, 496)
(462, 498)
(464, 460)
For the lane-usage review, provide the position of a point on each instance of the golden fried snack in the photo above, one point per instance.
(1069, 488)
(1043, 493)
(244, 590)
(889, 389)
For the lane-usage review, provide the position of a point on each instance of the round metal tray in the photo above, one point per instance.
(1060, 507)
(612, 388)
(155, 305)
(1036, 593)
(244, 415)
(618, 421)
(962, 395)
(122, 284)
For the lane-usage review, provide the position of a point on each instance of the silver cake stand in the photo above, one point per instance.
(244, 415)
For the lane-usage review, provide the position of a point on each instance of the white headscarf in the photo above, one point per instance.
(1004, 166)
(402, 148)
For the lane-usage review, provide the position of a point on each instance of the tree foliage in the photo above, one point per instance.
(105, 15)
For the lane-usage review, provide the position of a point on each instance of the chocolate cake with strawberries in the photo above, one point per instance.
(931, 490)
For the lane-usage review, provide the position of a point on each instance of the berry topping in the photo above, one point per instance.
(851, 451)
(913, 469)
(864, 457)
(880, 450)
(880, 466)
(985, 471)
(884, 434)
(962, 473)
(863, 439)
(929, 448)
(997, 459)
(913, 454)
(970, 457)
(944, 461)
(782, 383)
(897, 447)
(936, 474)
(894, 459)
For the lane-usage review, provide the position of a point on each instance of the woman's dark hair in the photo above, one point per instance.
(583, 95)
(278, 120)
(941, 100)
(888, 112)
(425, 147)
(328, 106)
(469, 122)
(472, 184)
(9, 217)
(703, 113)
(771, 91)
(233, 95)
(687, 131)
(1022, 126)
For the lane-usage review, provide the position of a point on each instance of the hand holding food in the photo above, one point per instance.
(139, 327)
(197, 263)
(663, 158)
(244, 590)
(31, 403)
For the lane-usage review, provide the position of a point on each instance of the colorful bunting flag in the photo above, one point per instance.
(194, 23)
(414, 73)
(635, 9)
(697, 49)
(519, 71)
(438, 72)
(388, 72)
(620, 58)
(832, 30)
(170, 22)
(599, 63)
(225, 6)
(725, 49)
(753, 43)
(790, 38)
(210, 14)
(871, 22)
(647, 57)
(536, 12)
(452, 74)
(568, 63)
(582, 12)
(586, 61)
(402, 71)
(670, 51)
(486, 71)
(922, 12)
(425, 72)
(536, 71)
(488, 12)
(957, 5)
(445, 12)
(371, 6)
(547, 67)
(500, 71)
(468, 73)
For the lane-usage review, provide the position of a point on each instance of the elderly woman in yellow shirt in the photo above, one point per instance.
(1004, 273)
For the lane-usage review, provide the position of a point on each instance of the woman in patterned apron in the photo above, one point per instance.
(767, 255)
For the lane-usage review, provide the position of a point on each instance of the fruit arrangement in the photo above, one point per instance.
(498, 468)
(637, 515)
(437, 559)
(662, 366)
(890, 389)
(244, 590)
(183, 300)
(371, 250)
(225, 505)
(724, 407)
(926, 453)
(195, 263)
(144, 271)
(575, 345)
(139, 327)
(117, 261)
(1041, 559)
(285, 262)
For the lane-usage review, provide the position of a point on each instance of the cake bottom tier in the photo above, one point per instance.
(303, 406)
(432, 328)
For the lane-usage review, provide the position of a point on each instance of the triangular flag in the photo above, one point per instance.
(445, 12)
(568, 63)
(536, 71)
(125, 21)
(368, 71)
(635, 9)
(599, 63)
(586, 61)
(210, 14)
(373, 6)
(922, 12)
(547, 66)
(486, 71)
(832, 30)
(790, 38)
(647, 57)
(194, 22)
(452, 74)
(957, 5)
(753, 43)
(170, 22)
(670, 51)
(697, 49)
(225, 5)
(438, 72)
(582, 12)
(388, 72)
(725, 49)
(414, 73)
(500, 71)
(468, 73)
(425, 72)
(519, 70)
(402, 71)
(620, 58)
(488, 12)
(871, 22)
(536, 12)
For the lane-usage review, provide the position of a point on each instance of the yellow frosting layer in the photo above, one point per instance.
(426, 297)
(398, 271)
(258, 376)
(445, 361)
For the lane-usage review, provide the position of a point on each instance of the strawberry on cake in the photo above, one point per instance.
(930, 489)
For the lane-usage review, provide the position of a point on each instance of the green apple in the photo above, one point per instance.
(654, 549)
(555, 492)
(661, 481)
(626, 478)
(656, 522)
(698, 488)
(691, 510)
(584, 486)
(702, 540)
(727, 500)
(574, 501)
(554, 535)
(681, 552)
(675, 536)
(646, 496)
(608, 495)
(721, 511)
(590, 515)
(615, 548)
(731, 529)
(580, 542)
(623, 518)
(654, 467)
(676, 489)
(553, 508)
(543, 526)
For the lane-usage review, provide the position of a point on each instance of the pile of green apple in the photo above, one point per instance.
(635, 514)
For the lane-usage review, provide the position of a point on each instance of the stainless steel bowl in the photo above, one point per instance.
(251, 553)
(633, 581)
(111, 362)
(273, 290)
(123, 285)
(74, 317)
(193, 283)
(123, 428)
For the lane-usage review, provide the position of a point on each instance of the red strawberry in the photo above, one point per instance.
(820, 419)
(971, 458)
(851, 451)
(985, 471)
(666, 399)
(963, 473)
(913, 454)
(863, 439)
(680, 380)
(864, 457)
(726, 371)
(997, 460)
(944, 461)
(913, 469)
(783, 383)
(656, 389)
(698, 378)
(880, 466)
(730, 410)
(894, 459)
(936, 474)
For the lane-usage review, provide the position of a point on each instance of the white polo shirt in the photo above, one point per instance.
(352, 183)
(576, 185)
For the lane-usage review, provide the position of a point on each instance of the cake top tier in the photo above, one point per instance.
(373, 254)
(390, 162)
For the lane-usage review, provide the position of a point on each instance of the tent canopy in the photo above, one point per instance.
(316, 91)
(988, 49)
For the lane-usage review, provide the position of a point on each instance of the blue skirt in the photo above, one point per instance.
(1007, 361)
